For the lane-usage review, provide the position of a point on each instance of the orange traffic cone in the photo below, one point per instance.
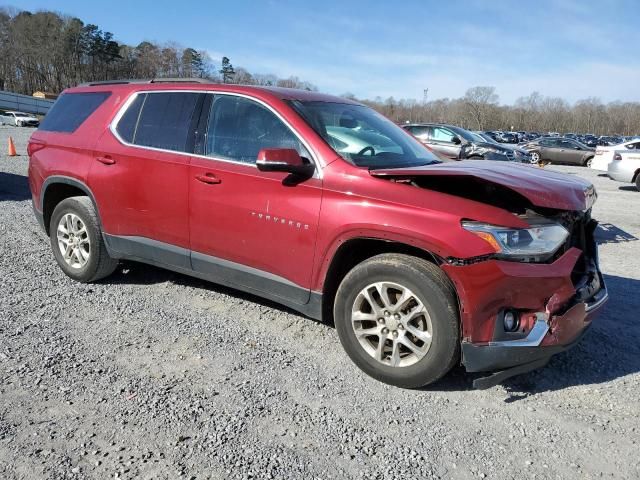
(12, 148)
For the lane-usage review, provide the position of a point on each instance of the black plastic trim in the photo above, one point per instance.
(67, 181)
(487, 358)
(216, 270)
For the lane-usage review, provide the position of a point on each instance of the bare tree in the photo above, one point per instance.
(479, 102)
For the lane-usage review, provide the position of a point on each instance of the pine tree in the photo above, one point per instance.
(227, 70)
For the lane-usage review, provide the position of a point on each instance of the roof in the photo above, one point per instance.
(198, 84)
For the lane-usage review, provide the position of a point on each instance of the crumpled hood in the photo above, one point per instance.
(542, 188)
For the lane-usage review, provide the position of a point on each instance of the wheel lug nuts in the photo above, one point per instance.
(395, 333)
(385, 331)
(386, 313)
(381, 321)
(396, 316)
(400, 327)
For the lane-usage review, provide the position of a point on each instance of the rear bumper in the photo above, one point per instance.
(620, 171)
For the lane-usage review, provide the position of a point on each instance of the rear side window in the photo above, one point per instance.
(163, 122)
(70, 110)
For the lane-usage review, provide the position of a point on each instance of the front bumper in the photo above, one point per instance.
(556, 303)
(548, 337)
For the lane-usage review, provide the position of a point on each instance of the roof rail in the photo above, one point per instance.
(183, 80)
(153, 80)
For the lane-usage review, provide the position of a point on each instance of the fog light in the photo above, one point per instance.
(511, 321)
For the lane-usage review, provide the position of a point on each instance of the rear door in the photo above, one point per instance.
(251, 229)
(140, 173)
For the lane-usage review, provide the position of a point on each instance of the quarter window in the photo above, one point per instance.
(71, 109)
(239, 128)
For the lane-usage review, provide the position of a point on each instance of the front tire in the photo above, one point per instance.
(638, 182)
(397, 319)
(77, 243)
(535, 157)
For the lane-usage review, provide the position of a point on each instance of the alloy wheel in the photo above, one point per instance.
(73, 240)
(391, 324)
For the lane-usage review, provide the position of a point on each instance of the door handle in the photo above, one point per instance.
(208, 178)
(106, 160)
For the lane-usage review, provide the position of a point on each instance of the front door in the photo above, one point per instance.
(442, 140)
(251, 229)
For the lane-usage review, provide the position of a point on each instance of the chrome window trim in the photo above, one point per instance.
(116, 119)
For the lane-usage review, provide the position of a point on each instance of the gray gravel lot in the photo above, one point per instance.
(151, 374)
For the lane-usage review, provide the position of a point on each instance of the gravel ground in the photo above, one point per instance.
(151, 374)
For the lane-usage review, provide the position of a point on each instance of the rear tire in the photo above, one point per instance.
(638, 182)
(420, 333)
(77, 243)
(587, 162)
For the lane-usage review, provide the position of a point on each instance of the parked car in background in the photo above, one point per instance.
(531, 136)
(509, 137)
(19, 119)
(421, 265)
(459, 144)
(625, 167)
(520, 154)
(590, 140)
(607, 141)
(559, 150)
(604, 155)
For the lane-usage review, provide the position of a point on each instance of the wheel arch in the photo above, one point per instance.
(355, 250)
(57, 188)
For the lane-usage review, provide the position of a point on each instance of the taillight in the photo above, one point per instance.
(617, 156)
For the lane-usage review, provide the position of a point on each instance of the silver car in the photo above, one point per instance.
(625, 167)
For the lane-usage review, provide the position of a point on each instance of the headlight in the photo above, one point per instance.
(536, 243)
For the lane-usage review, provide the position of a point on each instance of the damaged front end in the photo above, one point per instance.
(538, 291)
(549, 304)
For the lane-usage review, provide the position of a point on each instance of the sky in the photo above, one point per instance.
(572, 49)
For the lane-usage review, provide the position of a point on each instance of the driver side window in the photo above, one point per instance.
(442, 135)
(239, 128)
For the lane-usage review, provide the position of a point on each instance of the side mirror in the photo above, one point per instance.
(284, 160)
(456, 140)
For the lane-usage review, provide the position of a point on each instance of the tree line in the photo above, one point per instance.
(47, 51)
(479, 109)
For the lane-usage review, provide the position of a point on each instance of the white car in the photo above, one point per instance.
(625, 167)
(19, 119)
(604, 155)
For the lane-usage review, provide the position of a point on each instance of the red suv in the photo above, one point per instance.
(327, 207)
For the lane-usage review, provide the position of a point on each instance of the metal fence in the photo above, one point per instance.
(24, 103)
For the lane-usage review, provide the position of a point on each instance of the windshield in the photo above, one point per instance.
(362, 136)
(18, 114)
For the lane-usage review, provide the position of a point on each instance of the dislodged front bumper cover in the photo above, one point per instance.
(547, 338)
(561, 313)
